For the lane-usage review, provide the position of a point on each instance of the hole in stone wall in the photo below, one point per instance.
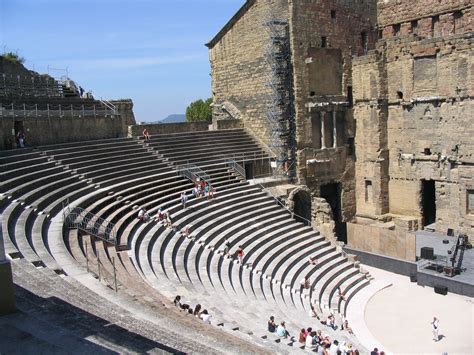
(414, 25)
(364, 41)
(396, 29)
(350, 96)
(428, 201)
(400, 95)
(333, 194)
(324, 42)
(333, 13)
(368, 191)
(351, 146)
(312, 93)
(302, 209)
(427, 151)
(380, 32)
(434, 25)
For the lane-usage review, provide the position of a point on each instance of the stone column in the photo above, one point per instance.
(7, 297)
(323, 130)
(334, 132)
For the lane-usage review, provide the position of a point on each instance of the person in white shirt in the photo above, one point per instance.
(206, 317)
(435, 326)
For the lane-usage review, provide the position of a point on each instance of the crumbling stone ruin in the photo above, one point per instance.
(55, 110)
(381, 104)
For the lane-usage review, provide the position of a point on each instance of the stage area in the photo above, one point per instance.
(399, 317)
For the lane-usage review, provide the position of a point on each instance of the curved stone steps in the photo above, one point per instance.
(316, 275)
(342, 281)
(267, 249)
(291, 277)
(315, 294)
(229, 205)
(194, 252)
(8, 176)
(268, 266)
(31, 181)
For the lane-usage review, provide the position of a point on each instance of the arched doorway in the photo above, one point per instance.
(301, 203)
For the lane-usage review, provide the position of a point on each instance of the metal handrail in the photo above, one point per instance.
(193, 172)
(52, 110)
(86, 221)
(239, 169)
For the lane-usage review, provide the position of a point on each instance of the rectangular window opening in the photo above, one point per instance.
(324, 42)
(333, 14)
(470, 202)
(368, 191)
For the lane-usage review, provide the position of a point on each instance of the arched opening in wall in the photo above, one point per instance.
(302, 206)
(332, 193)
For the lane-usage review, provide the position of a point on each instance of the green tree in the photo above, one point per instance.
(13, 57)
(199, 111)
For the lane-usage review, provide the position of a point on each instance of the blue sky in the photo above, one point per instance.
(151, 51)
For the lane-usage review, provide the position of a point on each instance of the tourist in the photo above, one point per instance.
(159, 215)
(345, 326)
(185, 232)
(305, 283)
(184, 199)
(21, 139)
(374, 352)
(212, 192)
(309, 341)
(334, 346)
(177, 301)
(206, 317)
(203, 187)
(240, 254)
(143, 215)
(303, 335)
(313, 313)
(167, 220)
(331, 322)
(435, 326)
(190, 310)
(195, 192)
(227, 249)
(313, 260)
(281, 331)
(146, 134)
(272, 325)
(206, 191)
(197, 310)
(341, 294)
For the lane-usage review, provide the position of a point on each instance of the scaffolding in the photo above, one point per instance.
(280, 111)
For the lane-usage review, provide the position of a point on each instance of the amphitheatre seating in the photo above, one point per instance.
(207, 148)
(113, 178)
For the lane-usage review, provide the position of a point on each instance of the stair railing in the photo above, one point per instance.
(239, 169)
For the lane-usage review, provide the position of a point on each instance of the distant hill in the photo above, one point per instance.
(174, 118)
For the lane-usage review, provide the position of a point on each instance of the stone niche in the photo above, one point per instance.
(325, 71)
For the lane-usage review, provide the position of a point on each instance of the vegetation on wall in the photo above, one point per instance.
(13, 57)
(199, 111)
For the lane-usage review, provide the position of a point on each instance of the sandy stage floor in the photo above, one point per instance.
(399, 317)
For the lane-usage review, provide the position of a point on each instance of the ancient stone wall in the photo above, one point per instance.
(239, 69)
(413, 110)
(52, 130)
(425, 18)
(324, 37)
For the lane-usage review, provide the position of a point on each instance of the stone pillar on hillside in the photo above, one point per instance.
(7, 297)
